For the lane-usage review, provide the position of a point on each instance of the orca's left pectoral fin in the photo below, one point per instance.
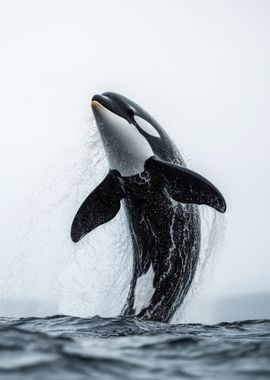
(99, 207)
(186, 186)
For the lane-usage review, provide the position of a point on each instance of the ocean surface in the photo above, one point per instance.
(65, 347)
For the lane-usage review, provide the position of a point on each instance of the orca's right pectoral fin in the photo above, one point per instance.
(99, 207)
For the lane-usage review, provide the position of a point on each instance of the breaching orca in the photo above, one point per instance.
(160, 195)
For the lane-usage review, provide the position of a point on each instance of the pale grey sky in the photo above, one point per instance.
(200, 67)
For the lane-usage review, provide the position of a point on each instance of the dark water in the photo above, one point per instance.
(63, 347)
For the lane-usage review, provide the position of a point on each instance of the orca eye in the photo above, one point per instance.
(146, 126)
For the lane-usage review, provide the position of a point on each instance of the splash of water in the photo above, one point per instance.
(45, 273)
(197, 306)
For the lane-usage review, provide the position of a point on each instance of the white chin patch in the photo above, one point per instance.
(144, 290)
(145, 126)
(127, 149)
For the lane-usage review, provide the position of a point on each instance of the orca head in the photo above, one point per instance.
(127, 132)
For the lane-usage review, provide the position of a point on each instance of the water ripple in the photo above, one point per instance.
(66, 347)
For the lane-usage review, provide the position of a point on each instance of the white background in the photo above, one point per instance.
(200, 67)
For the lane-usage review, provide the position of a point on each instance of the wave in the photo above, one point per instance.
(70, 347)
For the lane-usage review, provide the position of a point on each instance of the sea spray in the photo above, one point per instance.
(197, 306)
(45, 273)
(97, 272)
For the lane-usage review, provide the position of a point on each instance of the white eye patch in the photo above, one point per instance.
(145, 126)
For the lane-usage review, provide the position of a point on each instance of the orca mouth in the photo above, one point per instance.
(111, 102)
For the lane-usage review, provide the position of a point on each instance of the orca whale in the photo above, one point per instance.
(149, 177)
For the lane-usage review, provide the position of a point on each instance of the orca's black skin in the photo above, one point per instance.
(163, 216)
